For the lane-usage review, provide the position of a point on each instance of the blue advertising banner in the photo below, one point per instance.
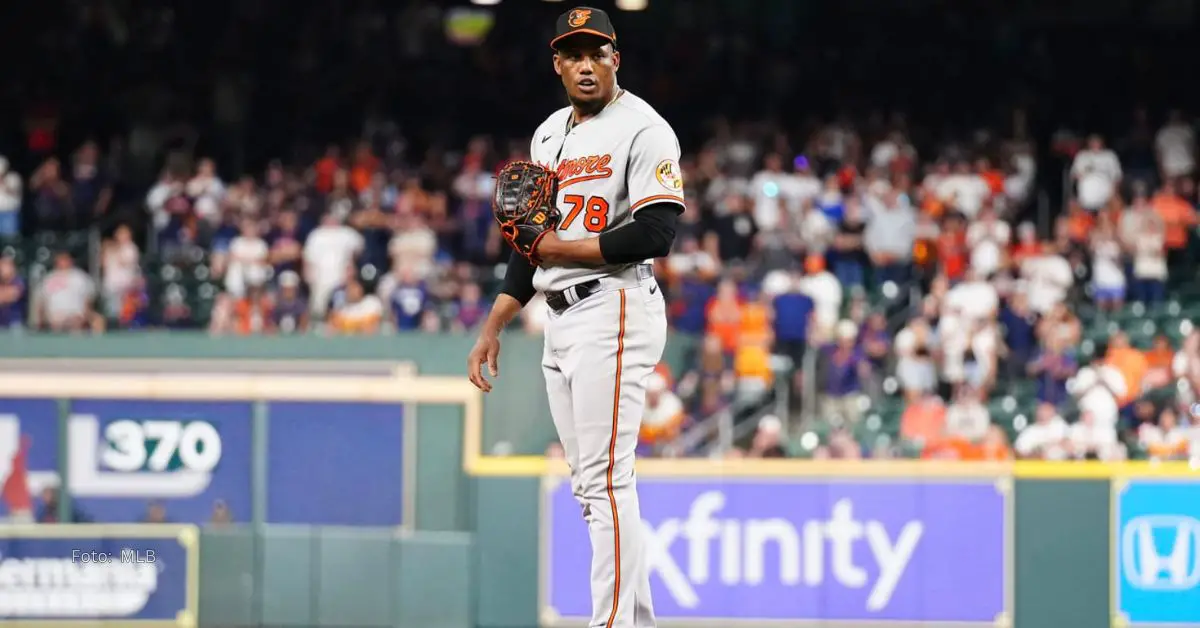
(122, 454)
(1156, 552)
(99, 575)
(337, 464)
(800, 550)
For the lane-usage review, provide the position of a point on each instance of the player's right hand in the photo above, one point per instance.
(486, 350)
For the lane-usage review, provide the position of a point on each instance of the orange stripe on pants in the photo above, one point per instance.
(612, 460)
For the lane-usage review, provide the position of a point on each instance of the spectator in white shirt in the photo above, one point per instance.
(1175, 145)
(988, 239)
(664, 413)
(1049, 276)
(1089, 439)
(935, 176)
(969, 347)
(964, 190)
(207, 190)
(967, 418)
(1185, 366)
(10, 200)
(815, 229)
(1131, 224)
(120, 267)
(1045, 437)
(168, 186)
(692, 260)
(1094, 394)
(1097, 172)
(413, 245)
(1150, 260)
(889, 236)
(329, 250)
(1168, 440)
(805, 184)
(1108, 274)
(826, 292)
(974, 297)
(774, 194)
(64, 300)
(249, 260)
(1019, 176)
(473, 184)
(914, 346)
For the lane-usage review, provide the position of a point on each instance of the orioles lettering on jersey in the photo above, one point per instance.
(623, 158)
(582, 169)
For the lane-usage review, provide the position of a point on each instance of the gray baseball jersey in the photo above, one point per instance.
(624, 158)
(600, 351)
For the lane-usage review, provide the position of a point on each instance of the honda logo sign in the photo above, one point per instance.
(1161, 552)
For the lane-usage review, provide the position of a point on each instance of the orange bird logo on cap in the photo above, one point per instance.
(579, 17)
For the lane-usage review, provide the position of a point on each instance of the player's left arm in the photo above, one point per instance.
(656, 200)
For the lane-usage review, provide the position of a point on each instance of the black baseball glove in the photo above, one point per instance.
(525, 205)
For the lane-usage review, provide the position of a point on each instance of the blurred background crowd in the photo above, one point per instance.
(953, 236)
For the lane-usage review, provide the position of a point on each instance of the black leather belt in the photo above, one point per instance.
(560, 300)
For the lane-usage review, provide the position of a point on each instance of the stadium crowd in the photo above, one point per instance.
(878, 272)
(905, 289)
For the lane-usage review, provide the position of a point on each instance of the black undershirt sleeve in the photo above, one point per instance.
(518, 279)
(650, 235)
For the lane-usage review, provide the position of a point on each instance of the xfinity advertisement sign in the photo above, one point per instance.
(749, 551)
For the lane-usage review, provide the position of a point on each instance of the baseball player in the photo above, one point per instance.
(619, 192)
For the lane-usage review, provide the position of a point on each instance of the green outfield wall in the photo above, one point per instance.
(283, 576)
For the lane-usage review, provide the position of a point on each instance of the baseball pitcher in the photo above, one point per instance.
(598, 201)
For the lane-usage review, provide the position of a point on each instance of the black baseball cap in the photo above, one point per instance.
(583, 20)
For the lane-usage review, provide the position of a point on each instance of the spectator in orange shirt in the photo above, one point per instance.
(1131, 363)
(1159, 361)
(1161, 353)
(924, 420)
(364, 168)
(993, 177)
(950, 449)
(326, 168)
(752, 360)
(252, 312)
(1078, 224)
(952, 248)
(752, 367)
(1178, 216)
(995, 445)
(724, 314)
(755, 324)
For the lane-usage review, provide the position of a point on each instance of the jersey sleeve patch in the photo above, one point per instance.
(668, 175)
